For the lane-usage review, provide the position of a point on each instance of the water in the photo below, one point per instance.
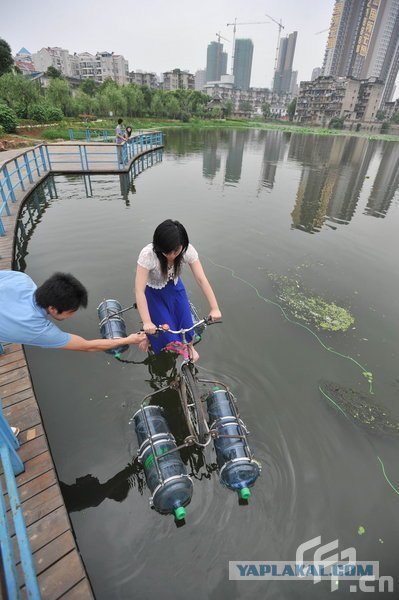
(320, 210)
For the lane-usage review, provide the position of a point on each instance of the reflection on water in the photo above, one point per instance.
(333, 170)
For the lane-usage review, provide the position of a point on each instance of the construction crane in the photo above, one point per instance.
(322, 31)
(280, 27)
(234, 25)
(220, 37)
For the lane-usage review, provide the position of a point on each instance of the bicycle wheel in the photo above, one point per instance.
(192, 405)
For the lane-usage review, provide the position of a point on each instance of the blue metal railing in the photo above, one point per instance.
(32, 165)
(17, 172)
(12, 466)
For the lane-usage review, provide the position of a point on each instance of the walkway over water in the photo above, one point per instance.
(57, 560)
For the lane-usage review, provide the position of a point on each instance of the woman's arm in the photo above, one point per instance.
(206, 288)
(141, 300)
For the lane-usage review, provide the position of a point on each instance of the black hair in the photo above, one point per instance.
(120, 121)
(129, 131)
(62, 291)
(168, 236)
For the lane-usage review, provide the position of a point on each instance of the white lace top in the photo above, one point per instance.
(149, 260)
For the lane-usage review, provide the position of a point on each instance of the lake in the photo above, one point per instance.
(298, 237)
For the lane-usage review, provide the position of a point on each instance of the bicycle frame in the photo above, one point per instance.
(186, 383)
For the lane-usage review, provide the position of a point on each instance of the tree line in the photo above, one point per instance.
(22, 98)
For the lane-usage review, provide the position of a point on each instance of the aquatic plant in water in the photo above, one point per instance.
(313, 310)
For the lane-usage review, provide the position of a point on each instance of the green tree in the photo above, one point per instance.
(157, 105)
(172, 106)
(112, 99)
(6, 59)
(291, 109)
(395, 118)
(380, 115)
(8, 119)
(336, 123)
(53, 73)
(228, 107)
(89, 87)
(59, 94)
(245, 106)
(135, 102)
(266, 110)
(18, 93)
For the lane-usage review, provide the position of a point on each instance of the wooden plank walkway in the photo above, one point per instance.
(59, 566)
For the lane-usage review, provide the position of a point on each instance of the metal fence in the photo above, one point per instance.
(20, 173)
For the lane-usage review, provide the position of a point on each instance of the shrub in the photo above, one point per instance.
(1, 131)
(38, 112)
(336, 123)
(8, 119)
(45, 113)
(54, 114)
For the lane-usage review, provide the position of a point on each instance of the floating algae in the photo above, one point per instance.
(312, 309)
(359, 409)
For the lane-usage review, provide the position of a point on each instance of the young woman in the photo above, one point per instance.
(160, 294)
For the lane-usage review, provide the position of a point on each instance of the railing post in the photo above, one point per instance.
(28, 169)
(43, 159)
(85, 157)
(37, 164)
(9, 184)
(50, 168)
(21, 181)
(5, 202)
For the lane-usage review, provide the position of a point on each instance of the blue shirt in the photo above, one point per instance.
(22, 321)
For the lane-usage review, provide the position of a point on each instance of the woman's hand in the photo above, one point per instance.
(149, 327)
(215, 314)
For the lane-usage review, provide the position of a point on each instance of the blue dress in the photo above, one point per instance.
(170, 305)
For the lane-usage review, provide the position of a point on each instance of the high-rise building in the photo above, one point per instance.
(216, 62)
(243, 52)
(283, 73)
(363, 42)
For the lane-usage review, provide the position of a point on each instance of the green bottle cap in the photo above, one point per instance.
(180, 513)
(244, 493)
(117, 354)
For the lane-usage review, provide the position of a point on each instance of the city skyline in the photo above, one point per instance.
(174, 34)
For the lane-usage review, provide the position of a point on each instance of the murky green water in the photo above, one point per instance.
(260, 207)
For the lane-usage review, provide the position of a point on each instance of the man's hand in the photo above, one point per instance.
(135, 338)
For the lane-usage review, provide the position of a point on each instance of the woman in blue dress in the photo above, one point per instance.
(160, 293)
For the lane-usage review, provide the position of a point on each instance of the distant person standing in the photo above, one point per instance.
(120, 138)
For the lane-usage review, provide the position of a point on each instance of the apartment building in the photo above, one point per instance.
(327, 97)
(177, 79)
(143, 78)
(99, 67)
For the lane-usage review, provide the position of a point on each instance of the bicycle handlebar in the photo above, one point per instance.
(205, 321)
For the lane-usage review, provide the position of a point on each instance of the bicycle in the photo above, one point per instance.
(186, 383)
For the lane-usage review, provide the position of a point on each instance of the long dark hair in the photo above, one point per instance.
(168, 236)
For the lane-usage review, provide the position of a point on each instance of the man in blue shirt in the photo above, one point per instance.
(25, 312)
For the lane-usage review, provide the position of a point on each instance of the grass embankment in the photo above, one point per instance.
(61, 130)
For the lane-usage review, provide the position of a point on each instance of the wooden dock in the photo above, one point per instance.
(59, 566)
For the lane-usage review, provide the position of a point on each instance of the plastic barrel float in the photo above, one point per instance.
(238, 470)
(112, 325)
(164, 469)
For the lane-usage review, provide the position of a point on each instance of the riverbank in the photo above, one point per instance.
(61, 132)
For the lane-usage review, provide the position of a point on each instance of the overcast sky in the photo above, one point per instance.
(160, 35)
